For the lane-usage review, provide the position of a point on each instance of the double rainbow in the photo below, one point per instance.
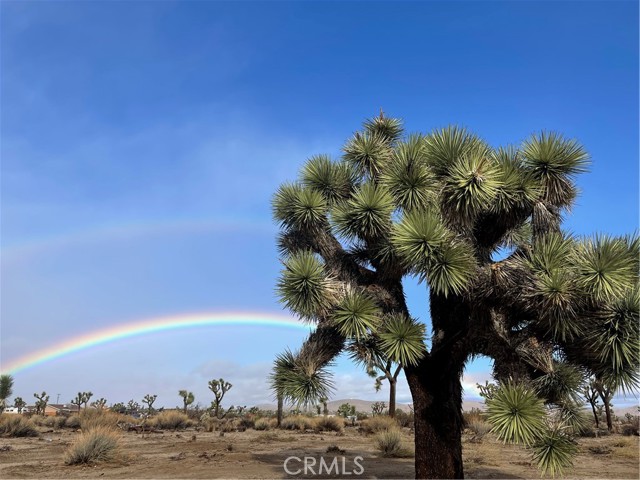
(143, 327)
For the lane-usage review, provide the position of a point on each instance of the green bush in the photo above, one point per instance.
(17, 426)
(100, 444)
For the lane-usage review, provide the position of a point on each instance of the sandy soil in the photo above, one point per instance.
(252, 454)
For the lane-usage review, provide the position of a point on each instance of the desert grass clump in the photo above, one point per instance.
(329, 424)
(91, 419)
(297, 422)
(379, 423)
(17, 426)
(100, 444)
(262, 424)
(479, 428)
(73, 422)
(171, 420)
(389, 442)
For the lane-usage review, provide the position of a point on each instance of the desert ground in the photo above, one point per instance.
(261, 454)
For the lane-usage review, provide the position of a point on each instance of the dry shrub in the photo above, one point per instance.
(39, 420)
(329, 424)
(171, 420)
(247, 422)
(100, 444)
(389, 442)
(90, 419)
(73, 422)
(17, 426)
(60, 422)
(472, 416)
(631, 427)
(404, 419)
(378, 423)
(230, 425)
(479, 428)
(297, 422)
(262, 424)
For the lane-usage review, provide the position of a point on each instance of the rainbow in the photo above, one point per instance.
(143, 327)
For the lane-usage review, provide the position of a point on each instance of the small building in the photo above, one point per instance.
(13, 410)
(54, 409)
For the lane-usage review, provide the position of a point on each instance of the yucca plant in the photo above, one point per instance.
(481, 227)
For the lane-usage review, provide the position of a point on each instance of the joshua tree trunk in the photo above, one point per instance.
(392, 397)
(595, 416)
(280, 406)
(436, 389)
(437, 401)
(607, 411)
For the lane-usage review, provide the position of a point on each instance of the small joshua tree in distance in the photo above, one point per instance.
(187, 398)
(219, 388)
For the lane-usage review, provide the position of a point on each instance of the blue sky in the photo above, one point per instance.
(142, 141)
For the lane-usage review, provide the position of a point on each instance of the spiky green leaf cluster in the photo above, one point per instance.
(334, 181)
(408, 177)
(554, 451)
(605, 267)
(554, 161)
(304, 286)
(516, 414)
(367, 152)
(388, 128)
(357, 315)
(432, 252)
(299, 207)
(402, 340)
(614, 339)
(471, 186)
(299, 379)
(367, 214)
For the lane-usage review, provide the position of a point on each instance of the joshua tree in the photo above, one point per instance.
(6, 389)
(325, 407)
(41, 403)
(99, 404)
(377, 408)
(346, 410)
(149, 399)
(19, 403)
(187, 398)
(78, 400)
(86, 396)
(590, 394)
(368, 352)
(219, 388)
(132, 406)
(605, 391)
(481, 228)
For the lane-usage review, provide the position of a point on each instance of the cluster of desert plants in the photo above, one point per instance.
(170, 420)
(17, 426)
